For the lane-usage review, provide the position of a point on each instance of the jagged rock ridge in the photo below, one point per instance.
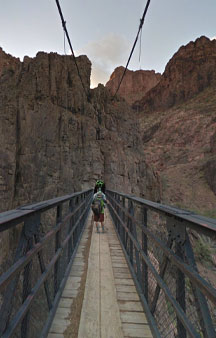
(190, 71)
(135, 84)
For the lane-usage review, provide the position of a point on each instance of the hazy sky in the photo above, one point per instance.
(105, 30)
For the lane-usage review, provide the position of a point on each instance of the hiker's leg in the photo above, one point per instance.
(102, 221)
(96, 219)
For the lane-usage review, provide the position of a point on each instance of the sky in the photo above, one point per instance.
(105, 30)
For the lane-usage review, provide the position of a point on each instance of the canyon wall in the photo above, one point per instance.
(55, 140)
(49, 133)
(191, 69)
(135, 84)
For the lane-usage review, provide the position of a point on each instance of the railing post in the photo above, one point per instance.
(145, 250)
(137, 266)
(70, 242)
(126, 235)
(178, 233)
(131, 212)
(57, 246)
(81, 220)
(31, 228)
(26, 291)
(116, 208)
(43, 268)
(120, 215)
(77, 216)
(118, 212)
(200, 301)
(7, 305)
(164, 262)
(123, 220)
(180, 291)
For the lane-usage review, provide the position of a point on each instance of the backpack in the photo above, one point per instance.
(97, 206)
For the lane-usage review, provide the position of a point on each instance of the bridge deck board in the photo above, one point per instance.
(110, 305)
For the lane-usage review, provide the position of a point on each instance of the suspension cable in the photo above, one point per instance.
(140, 27)
(65, 65)
(68, 38)
(140, 48)
(69, 42)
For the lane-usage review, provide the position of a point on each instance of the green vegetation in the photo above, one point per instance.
(188, 285)
(209, 213)
(170, 308)
(164, 182)
(202, 251)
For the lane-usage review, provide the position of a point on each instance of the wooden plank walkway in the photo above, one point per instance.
(100, 299)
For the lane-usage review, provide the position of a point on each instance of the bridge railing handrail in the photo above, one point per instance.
(190, 272)
(13, 217)
(50, 241)
(198, 222)
(170, 262)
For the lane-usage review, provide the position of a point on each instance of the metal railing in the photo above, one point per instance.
(177, 293)
(34, 271)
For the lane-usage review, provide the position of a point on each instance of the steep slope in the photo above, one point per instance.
(180, 145)
(180, 142)
(191, 70)
(134, 85)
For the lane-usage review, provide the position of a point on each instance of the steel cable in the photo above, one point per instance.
(134, 45)
(69, 42)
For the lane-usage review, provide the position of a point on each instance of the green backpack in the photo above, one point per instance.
(97, 206)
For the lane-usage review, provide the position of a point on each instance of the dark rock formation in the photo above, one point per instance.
(8, 63)
(48, 134)
(210, 172)
(210, 165)
(135, 84)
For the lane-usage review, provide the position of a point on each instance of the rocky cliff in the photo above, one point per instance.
(180, 145)
(178, 123)
(135, 84)
(8, 63)
(189, 72)
(55, 141)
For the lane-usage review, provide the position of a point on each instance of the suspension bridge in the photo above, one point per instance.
(139, 278)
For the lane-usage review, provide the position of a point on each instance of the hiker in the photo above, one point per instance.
(98, 205)
(99, 185)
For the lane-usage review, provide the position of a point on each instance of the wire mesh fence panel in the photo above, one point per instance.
(39, 309)
(166, 317)
(205, 256)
